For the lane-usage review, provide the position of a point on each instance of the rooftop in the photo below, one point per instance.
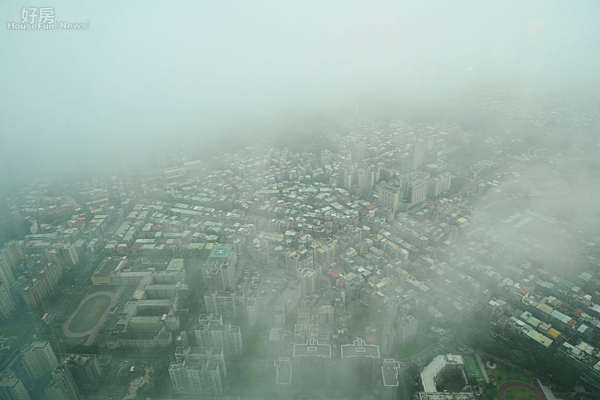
(220, 252)
(360, 349)
(431, 371)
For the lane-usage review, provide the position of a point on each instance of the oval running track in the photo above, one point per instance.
(507, 385)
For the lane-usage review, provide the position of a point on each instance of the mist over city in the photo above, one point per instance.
(300, 200)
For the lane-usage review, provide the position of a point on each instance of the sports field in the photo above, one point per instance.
(519, 393)
(472, 368)
(89, 314)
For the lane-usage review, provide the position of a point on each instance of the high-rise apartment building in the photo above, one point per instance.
(212, 332)
(232, 305)
(200, 354)
(252, 307)
(312, 363)
(85, 369)
(7, 302)
(6, 274)
(62, 386)
(279, 315)
(360, 362)
(390, 370)
(41, 284)
(283, 378)
(54, 257)
(12, 254)
(415, 191)
(68, 253)
(418, 153)
(407, 328)
(201, 378)
(308, 280)
(219, 270)
(388, 336)
(326, 318)
(296, 260)
(39, 359)
(389, 196)
(11, 388)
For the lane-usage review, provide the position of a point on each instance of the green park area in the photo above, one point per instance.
(89, 314)
(519, 393)
(505, 373)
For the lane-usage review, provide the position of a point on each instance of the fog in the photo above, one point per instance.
(147, 74)
(420, 175)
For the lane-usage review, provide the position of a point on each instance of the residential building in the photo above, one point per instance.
(308, 280)
(298, 260)
(388, 336)
(200, 354)
(390, 371)
(12, 254)
(219, 270)
(62, 386)
(7, 302)
(283, 378)
(198, 378)
(6, 274)
(360, 362)
(11, 388)
(407, 328)
(232, 305)
(68, 253)
(418, 153)
(85, 369)
(212, 332)
(326, 318)
(312, 363)
(39, 359)
(389, 196)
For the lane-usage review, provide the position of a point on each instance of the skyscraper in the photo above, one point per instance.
(390, 370)
(199, 354)
(6, 274)
(312, 363)
(62, 386)
(39, 359)
(212, 332)
(200, 378)
(231, 305)
(11, 388)
(7, 303)
(12, 254)
(308, 280)
(68, 253)
(359, 362)
(326, 318)
(219, 270)
(418, 153)
(387, 338)
(283, 378)
(389, 195)
(54, 257)
(85, 369)
(407, 328)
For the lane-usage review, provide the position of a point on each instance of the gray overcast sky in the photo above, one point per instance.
(147, 69)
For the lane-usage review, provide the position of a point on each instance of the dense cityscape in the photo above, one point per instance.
(316, 200)
(408, 260)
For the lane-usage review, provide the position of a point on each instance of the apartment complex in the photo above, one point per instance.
(211, 331)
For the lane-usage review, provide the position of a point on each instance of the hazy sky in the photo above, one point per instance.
(146, 71)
